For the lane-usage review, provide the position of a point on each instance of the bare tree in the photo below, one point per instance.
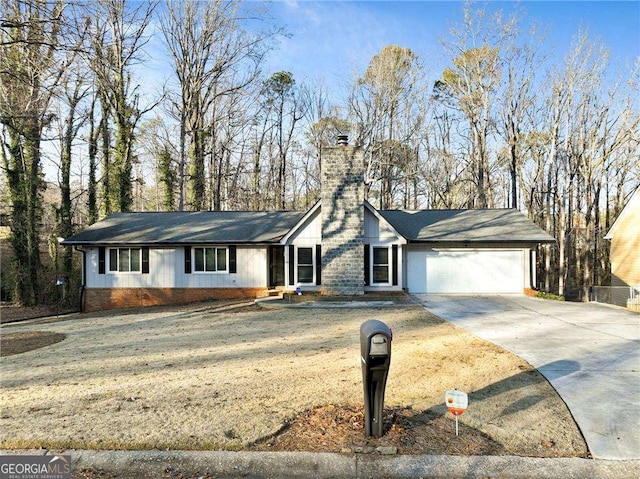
(75, 89)
(323, 122)
(92, 147)
(383, 107)
(156, 143)
(31, 64)
(521, 62)
(441, 169)
(285, 109)
(213, 57)
(583, 138)
(116, 43)
(472, 83)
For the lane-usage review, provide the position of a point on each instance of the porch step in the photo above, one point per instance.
(275, 293)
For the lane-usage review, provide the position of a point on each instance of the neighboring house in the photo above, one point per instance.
(625, 248)
(341, 246)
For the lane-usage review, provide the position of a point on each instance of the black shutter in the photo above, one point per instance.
(292, 266)
(101, 261)
(394, 270)
(232, 259)
(318, 264)
(366, 264)
(187, 259)
(145, 260)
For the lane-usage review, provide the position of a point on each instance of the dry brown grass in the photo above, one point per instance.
(200, 377)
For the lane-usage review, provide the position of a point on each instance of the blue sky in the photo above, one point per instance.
(334, 39)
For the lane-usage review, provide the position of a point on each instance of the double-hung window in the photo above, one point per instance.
(380, 264)
(305, 265)
(210, 259)
(124, 260)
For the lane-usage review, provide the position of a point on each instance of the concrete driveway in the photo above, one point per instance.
(590, 353)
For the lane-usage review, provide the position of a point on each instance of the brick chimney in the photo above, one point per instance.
(342, 195)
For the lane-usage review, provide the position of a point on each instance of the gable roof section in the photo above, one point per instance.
(632, 205)
(376, 213)
(301, 222)
(488, 225)
(204, 227)
(315, 210)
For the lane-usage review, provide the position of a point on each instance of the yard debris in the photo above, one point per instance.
(406, 431)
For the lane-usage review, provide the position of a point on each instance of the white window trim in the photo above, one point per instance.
(108, 260)
(389, 264)
(193, 260)
(313, 265)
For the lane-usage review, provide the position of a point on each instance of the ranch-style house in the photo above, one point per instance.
(341, 246)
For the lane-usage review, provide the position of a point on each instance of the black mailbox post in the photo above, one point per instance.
(375, 353)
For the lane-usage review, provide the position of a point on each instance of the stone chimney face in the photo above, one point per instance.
(342, 195)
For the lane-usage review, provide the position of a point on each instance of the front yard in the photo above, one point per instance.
(205, 376)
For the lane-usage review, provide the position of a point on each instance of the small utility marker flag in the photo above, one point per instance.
(456, 402)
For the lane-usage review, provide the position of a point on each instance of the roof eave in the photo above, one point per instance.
(170, 243)
(484, 240)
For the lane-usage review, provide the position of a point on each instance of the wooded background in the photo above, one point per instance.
(509, 123)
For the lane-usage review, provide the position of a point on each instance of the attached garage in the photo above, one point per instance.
(490, 251)
(486, 271)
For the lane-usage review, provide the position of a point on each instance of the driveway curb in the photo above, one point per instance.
(285, 465)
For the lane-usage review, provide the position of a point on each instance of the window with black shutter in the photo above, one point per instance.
(318, 264)
(232, 260)
(394, 264)
(292, 264)
(145, 260)
(187, 259)
(367, 257)
(101, 260)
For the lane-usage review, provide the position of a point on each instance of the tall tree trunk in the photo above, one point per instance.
(92, 204)
(596, 241)
(24, 238)
(197, 182)
(123, 162)
(105, 134)
(65, 217)
(34, 210)
(548, 228)
(182, 162)
(257, 154)
(561, 242)
(514, 174)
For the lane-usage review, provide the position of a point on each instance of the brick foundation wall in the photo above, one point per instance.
(342, 209)
(100, 299)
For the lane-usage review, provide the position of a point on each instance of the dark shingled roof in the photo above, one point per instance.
(491, 225)
(192, 228)
(233, 227)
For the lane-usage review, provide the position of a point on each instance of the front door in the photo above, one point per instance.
(276, 266)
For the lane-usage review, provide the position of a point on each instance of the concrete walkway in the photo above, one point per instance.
(590, 353)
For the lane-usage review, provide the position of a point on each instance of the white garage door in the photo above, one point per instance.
(468, 271)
